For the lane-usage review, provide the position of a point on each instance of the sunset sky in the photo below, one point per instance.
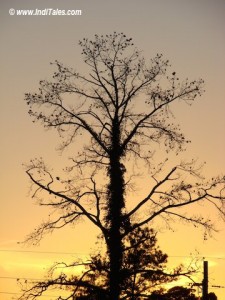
(190, 33)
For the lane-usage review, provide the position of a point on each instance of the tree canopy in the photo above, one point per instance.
(122, 109)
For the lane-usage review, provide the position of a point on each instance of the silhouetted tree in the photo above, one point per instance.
(212, 296)
(144, 265)
(143, 271)
(177, 292)
(122, 109)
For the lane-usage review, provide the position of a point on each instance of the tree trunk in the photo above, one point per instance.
(114, 217)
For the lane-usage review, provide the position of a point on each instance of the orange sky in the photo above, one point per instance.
(191, 34)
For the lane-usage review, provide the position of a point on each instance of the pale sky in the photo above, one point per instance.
(190, 33)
